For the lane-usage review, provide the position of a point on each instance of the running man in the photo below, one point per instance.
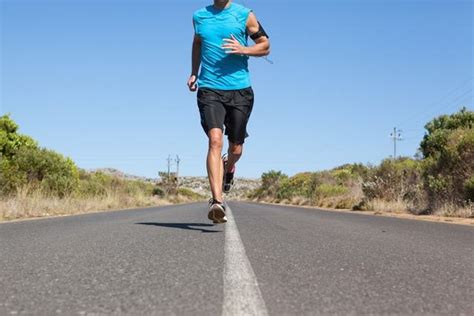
(225, 97)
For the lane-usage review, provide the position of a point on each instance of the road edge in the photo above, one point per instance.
(427, 218)
(95, 212)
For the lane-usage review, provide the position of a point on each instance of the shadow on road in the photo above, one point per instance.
(188, 226)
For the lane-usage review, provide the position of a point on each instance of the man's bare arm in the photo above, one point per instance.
(195, 63)
(261, 47)
(262, 44)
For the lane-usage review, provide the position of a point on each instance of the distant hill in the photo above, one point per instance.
(197, 184)
(240, 190)
(123, 175)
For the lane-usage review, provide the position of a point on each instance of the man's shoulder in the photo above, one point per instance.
(202, 12)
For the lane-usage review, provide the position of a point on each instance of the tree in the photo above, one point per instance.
(23, 162)
(438, 130)
(448, 148)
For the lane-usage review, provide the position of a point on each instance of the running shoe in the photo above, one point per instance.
(216, 212)
(228, 180)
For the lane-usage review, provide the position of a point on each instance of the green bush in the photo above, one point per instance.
(271, 182)
(298, 185)
(158, 191)
(439, 129)
(101, 184)
(133, 187)
(22, 163)
(448, 172)
(92, 184)
(10, 141)
(342, 175)
(38, 168)
(10, 177)
(47, 170)
(329, 190)
(442, 177)
(469, 189)
(338, 187)
(394, 180)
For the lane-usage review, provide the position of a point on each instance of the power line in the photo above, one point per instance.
(458, 101)
(434, 107)
(440, 100)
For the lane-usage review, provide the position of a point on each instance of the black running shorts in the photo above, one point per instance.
(229, 108)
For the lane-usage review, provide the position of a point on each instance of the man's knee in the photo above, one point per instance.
(216, 139)
(236, 149)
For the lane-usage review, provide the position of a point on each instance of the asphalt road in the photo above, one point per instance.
(267, 260)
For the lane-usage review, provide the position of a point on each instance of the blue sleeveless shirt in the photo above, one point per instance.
(220, 70)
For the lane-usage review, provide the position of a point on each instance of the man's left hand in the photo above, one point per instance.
(232, 46)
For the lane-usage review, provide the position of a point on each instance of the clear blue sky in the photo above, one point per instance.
(103, 82)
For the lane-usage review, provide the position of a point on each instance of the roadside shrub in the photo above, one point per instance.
(10, 178)
(101, 184)
(342, 175)
(10, 140)
(448, 149)
(53, 173)
(395, 180)
(135, 187)
(349, 172)
(271, 182)
(439, 129)
(448, 172)
(158, 191)
(32, 177)
(469, 189)
(41, 168)
(22, 162)
(91, 184)
(298, 185)
(339, 187)
(329, 190)
(441, 180)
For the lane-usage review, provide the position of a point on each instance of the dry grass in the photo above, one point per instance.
(402, 207)
(379, 205)
(346, 200)
(298, 200)
(35, 204)
(455, 211)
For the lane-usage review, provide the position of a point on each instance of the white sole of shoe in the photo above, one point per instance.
(222, 221)
(217, 214)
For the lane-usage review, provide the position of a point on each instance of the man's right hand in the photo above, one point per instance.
(192, 83)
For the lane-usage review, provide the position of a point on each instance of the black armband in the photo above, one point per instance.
(261, 32)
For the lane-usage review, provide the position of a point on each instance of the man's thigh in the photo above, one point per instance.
(211, 110)
(238, 114)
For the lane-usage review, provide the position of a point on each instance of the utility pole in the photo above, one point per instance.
(396, 135)
(169, 166)
(177, 170)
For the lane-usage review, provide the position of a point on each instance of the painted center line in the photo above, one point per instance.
(242, 295)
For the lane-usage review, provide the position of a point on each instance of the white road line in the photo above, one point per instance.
(241, 293)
